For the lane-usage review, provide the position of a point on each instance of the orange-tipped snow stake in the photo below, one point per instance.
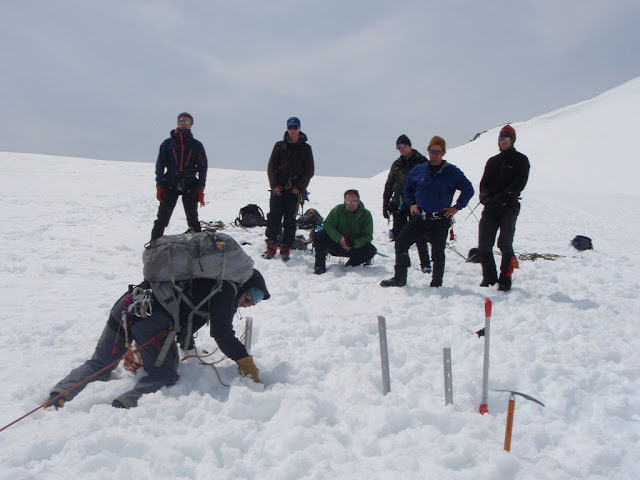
(484, 406)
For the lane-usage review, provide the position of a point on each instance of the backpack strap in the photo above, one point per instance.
(166, 296)
(195, 309)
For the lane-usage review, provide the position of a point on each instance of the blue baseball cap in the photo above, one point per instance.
(293, 121)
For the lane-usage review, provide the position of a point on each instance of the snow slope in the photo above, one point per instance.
(72, 236)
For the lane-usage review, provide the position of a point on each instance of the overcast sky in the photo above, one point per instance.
(107, 79)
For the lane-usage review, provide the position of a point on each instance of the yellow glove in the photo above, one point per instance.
(247, 368)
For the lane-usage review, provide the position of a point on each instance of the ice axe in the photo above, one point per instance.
(510, 412)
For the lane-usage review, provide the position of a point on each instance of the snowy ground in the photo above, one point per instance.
(71, 240)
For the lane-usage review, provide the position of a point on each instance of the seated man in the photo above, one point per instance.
(346, 232)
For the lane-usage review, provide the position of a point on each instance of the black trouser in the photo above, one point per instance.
(165, 210)
(282, 214)
(496, 217)
(400, 219)
(323, 244)
(433, 231)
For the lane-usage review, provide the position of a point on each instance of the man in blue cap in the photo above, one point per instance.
(290, 170)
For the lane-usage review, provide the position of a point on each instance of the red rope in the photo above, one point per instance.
(132, 360)
(52, 400)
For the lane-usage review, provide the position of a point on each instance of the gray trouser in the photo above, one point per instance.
(111, 346)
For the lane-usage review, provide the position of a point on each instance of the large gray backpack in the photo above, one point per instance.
(208, 254)
(172, 258)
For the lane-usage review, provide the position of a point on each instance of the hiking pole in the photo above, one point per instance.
(472, 212)
(484, 406)
(510, 413)
(455, 250)
(51, 400)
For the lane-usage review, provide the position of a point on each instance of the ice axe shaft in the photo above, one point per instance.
(509, 429)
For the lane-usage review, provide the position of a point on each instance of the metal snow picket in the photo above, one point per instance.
(448, 379)
(510, 413)
(384, 355)
(484, 406)
(248, 330)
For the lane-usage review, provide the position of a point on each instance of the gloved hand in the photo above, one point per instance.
(161, 193)
(500, 199)
(247, 368)
(199, 196)
(385, 211)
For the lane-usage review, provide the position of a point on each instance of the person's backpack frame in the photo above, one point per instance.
(172, 259)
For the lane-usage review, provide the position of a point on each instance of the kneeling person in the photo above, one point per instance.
(346, 232)
(147, 321)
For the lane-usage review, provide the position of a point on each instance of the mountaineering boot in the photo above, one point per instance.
(392, 282)
(319, 270)
(487, 283)
(271, 250)
(436, 283)
(426, 268)
(247, 368)
(285, 252)
(504, 284)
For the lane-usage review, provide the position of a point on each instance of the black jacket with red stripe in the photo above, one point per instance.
(182, 163)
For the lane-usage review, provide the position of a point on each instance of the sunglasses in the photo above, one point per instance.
(504, 139)
(293, 127)
(248, 299)
(183, 121)
(400, 146)
(351, 202)
(435, 152)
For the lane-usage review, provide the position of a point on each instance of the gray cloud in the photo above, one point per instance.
(106, 80)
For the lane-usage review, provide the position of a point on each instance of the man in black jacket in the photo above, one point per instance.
(505, 176)
(181, 170)
(146, 320)
(393, 203)
(290, 170)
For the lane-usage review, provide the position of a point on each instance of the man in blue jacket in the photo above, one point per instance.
(429, 190)
(181, 170)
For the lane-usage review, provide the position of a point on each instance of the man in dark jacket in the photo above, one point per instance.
(346, 232)
(181, 170)
(393, 203)
(290, 170)
(146, 320)
(505, 176)
(429, 190)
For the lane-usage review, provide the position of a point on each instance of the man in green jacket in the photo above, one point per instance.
(346, 232)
